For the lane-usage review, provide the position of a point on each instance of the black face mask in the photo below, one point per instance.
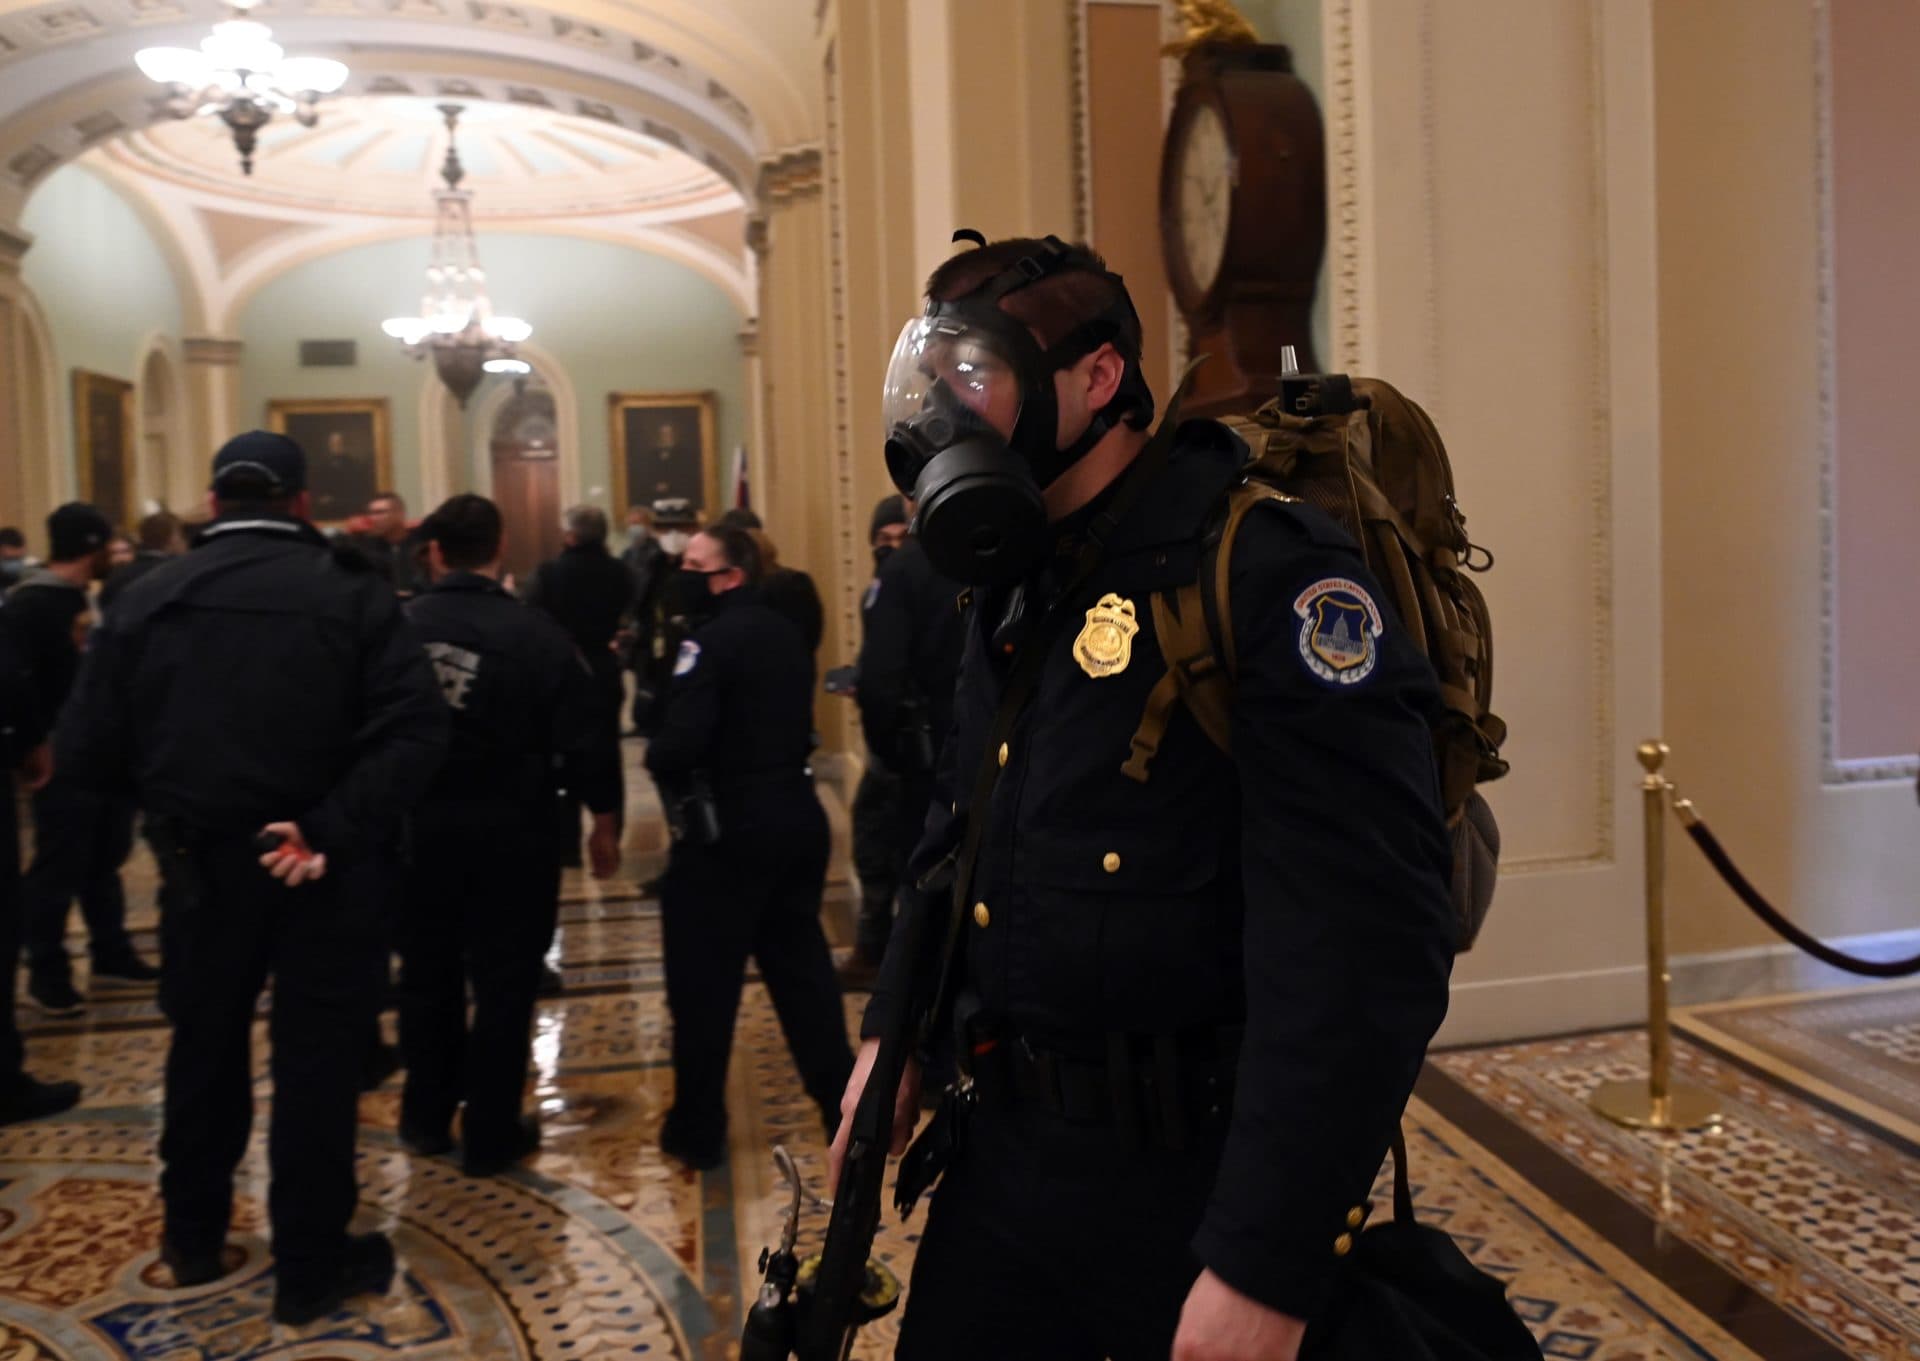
(881, 554)
(689, 596)
(981, 518)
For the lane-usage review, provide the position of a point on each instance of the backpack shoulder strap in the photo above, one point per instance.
(1194, 626)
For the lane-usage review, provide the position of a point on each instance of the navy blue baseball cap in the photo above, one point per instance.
(260, 463)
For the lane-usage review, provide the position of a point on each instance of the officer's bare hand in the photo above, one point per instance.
(37, 769)
(906, 1108)
(603, 846)
(1220, 1324)
(293, 862)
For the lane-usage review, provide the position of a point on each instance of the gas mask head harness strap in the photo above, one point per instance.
(981, 517)
(1115, 324)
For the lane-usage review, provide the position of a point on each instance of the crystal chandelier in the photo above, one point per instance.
(240, 74)
(457, 325)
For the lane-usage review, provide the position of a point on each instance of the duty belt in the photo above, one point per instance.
(1154, 1090)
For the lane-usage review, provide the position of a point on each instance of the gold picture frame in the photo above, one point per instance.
(103, 445)
(647, 435)
(348, 447)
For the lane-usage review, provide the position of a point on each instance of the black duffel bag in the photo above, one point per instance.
(1407, 1293)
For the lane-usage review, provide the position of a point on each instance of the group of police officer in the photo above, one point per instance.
(1187, 1009)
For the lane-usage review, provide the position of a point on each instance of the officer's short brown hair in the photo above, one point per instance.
(1051, 307)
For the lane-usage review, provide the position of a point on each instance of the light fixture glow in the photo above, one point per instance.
(243, 77)
(456, 324)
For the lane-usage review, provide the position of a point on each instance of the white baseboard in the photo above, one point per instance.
(1508, 1009)
(1501, 1009)
(1769, 970)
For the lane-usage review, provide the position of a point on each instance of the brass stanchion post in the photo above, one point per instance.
(1659, 1103)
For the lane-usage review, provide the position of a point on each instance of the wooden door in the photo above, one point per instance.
(526, 479)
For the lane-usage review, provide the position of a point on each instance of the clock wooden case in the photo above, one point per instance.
(1243, 219)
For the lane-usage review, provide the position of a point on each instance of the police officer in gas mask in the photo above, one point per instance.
(1192, 994)
(749, 859)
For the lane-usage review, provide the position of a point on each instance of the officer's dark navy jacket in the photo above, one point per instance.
(742, 701)
(588, 591)
(261, 677)
(42, 611)
(911, 647)
(520, 696)
(1299, 886)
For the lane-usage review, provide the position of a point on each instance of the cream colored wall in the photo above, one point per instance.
(1739, 90)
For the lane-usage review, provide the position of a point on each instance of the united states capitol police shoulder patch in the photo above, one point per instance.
(1340, 630)
(688, 659)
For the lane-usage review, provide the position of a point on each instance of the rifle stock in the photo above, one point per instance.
(832, 1311)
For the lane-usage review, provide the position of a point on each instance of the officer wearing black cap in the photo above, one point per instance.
(485, 882)
(910, 644)
(81, 836)
(1193, 992)
(750, 847)
(658, 628)
(276, 716)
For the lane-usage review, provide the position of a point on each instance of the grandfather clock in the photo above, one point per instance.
(1243, 218)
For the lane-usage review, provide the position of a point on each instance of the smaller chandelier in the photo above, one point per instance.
(240, 74)
(457, 325)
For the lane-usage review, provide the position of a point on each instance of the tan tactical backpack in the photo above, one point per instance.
(1375, 463)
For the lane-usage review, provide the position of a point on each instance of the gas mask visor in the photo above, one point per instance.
(953, 394)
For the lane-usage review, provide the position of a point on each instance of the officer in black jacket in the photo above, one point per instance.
(1194, 1006)
(276, 718)
(589, 592)
(81, 836)
(749, 862)
(485, 888)
(23, 748)
(909, 655)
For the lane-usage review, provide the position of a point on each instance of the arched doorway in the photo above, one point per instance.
(524, 449)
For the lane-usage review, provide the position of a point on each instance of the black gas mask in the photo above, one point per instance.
(960, 374)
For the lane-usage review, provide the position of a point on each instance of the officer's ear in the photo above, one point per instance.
(300, 505)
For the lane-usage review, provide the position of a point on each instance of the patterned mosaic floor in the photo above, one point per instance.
(1812, 1212)
(599, 1247)
(1858, 1050)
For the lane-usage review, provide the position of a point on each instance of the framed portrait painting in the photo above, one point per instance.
(346, 443)
(663, 445)
(103, 432)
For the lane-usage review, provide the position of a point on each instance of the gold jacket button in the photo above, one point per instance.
(1005, 752)
(980, 914)
(1111, 862)
(1343, 1245)
(1356, 1217)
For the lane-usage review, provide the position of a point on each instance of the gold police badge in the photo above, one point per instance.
(1105, 645)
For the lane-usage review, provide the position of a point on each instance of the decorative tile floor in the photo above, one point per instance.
(1813, 1213)
(600, 1247)
(1858, 1050)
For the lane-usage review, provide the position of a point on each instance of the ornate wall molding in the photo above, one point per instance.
(218, 350)
(849, 579)
(1343, 171)
(13, 247)
(1082, 122)
(792, 175)
(1835, 770)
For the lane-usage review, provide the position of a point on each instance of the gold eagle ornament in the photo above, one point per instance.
(1210, 21)
(1105, 644)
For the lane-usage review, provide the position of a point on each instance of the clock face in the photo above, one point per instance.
(1205, 195)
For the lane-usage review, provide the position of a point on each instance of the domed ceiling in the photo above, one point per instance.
(381, 157)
